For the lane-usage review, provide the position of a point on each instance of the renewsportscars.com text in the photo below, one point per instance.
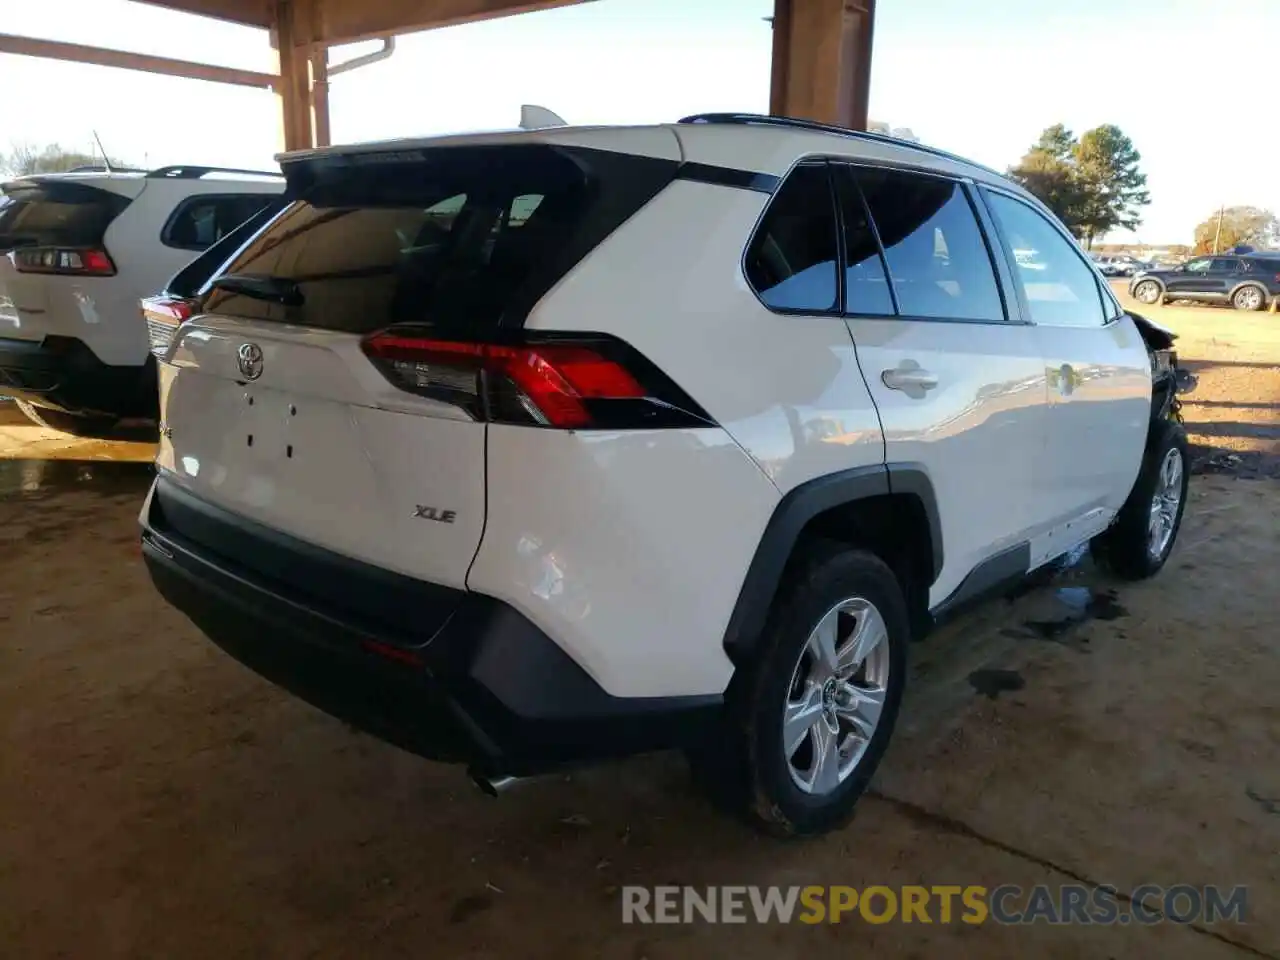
(1006, 904)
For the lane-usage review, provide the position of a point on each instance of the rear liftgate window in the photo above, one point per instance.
(455, 239)
(58, 227)
(436, 257)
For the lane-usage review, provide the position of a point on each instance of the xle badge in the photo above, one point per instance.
(434, 513)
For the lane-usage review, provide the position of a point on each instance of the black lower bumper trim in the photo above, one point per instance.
(64, 374)
(489, 689)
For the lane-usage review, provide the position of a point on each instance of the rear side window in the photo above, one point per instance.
(1058, 285)
(791, 261)
(199, 222)
(37, 214)
(450, 238)
(1223, 265)
(866, 285)
(938, 260)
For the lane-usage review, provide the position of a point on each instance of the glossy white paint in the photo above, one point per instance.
(787, 388)
(626, 548)
(330, 462)
(1064, 537)
(629, 549)
(980, 433)
(103, 311)
(1100, 395)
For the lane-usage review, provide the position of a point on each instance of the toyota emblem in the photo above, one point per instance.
(249, 360)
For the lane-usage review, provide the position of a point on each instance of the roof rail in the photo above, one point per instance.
(816, 127)
(99, 168)
(195, 173)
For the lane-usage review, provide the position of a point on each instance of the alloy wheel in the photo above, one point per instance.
(1148, 292)
(1164, 504)
(836, 696)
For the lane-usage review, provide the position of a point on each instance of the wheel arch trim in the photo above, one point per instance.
(794, 511)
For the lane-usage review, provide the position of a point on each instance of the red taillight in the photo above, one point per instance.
(555, 384)
(173, 310)
(164, 315)
(86, 262)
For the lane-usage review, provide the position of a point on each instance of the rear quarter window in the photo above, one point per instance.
(199, 222)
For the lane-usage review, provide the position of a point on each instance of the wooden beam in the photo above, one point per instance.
(822, 60)
(293, 47)
(103, 57)
(251, 13)
(320, 95)
(344, 21)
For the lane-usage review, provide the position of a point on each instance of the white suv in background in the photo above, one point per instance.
(533, 449)
(77, 251)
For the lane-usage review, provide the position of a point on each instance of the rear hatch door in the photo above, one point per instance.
(270, 406)
(52, 233)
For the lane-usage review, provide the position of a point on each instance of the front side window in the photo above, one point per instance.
(938, 260)
(1058, 285)
(791, 261)
(1199, 266)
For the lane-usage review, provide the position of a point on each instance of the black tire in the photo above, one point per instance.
(744, 766)
(1247, 293)
(1126, 548)
(95, 427)
(1155, 292)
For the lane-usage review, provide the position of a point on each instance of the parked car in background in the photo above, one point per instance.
(77, 251)
(1115, 266)
(483, 445)
(1246, 281)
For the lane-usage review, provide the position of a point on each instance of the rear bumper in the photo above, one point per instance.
(63, 373)
(487, 688)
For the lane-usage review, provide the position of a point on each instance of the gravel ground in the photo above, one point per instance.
(157, 800)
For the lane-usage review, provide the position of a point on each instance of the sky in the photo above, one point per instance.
(1181, 77)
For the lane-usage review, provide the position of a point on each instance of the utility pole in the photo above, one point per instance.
(1217, 234)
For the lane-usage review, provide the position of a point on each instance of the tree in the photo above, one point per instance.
(901, 133)
(26, 158)
(1115, 189)
(1093, 184)
(1250, 226)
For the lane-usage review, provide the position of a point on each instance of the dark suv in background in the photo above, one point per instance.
(1248, 281)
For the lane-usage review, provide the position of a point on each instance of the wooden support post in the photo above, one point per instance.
(822, 60)
(320, 95)
(292, 36)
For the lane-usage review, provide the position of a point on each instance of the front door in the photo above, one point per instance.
(1196, 279)
(1099, 379)
(959, 383)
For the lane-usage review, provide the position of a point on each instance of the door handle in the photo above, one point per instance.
(910, 378)
(1066, 377)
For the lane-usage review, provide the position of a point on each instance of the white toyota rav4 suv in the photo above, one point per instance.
(537, 448)
(77, 250)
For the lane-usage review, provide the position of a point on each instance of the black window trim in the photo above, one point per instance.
(1047, 215)
(980, 216)
(166, 231)
(835, 310)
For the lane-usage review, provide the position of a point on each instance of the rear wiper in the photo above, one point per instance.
(261, 287)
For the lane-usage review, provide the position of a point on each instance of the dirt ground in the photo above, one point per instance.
(158, 800)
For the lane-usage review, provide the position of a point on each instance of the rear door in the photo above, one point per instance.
(276, 406)
(958, 380)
